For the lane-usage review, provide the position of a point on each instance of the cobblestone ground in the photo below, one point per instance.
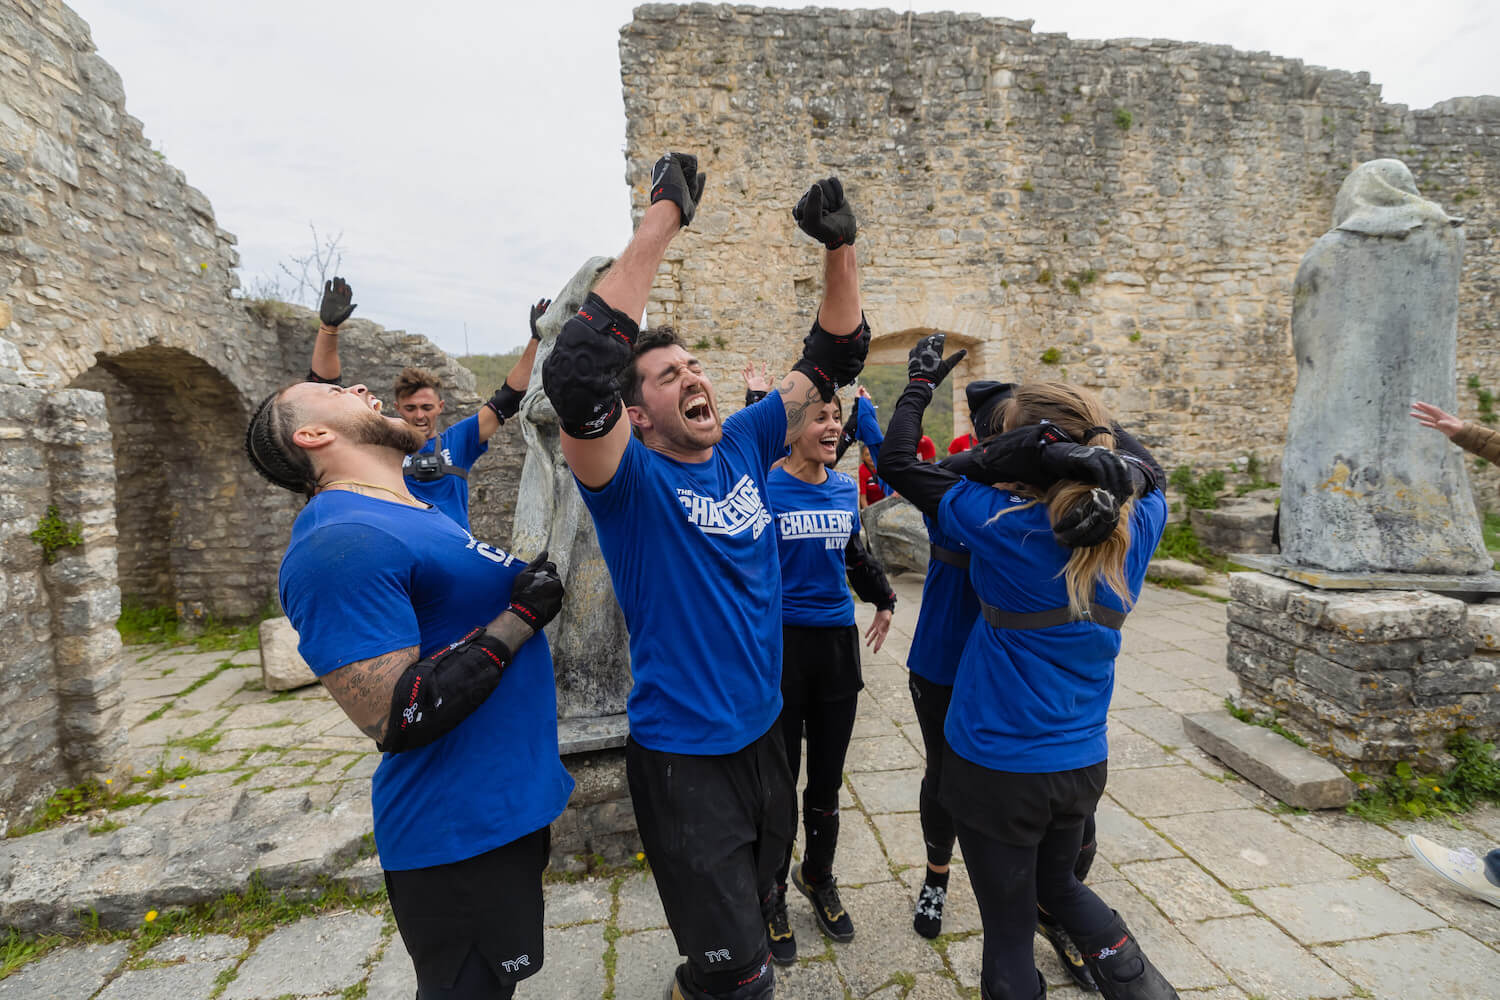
(1232, 896)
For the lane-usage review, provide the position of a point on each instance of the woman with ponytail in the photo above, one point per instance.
(1060, 513)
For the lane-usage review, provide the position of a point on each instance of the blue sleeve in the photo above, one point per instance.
(464, 443)
(347, 590)
(762, 427)
(869, 427)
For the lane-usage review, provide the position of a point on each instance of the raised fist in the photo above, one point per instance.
(824, 215)
(675, 178)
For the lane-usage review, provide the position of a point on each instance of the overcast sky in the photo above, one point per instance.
(471, 153)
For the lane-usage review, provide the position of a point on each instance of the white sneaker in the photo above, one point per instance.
(1462, 867)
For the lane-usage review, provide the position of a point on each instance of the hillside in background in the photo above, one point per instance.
(489, 369)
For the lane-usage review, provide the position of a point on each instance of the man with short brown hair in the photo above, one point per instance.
(439, 471)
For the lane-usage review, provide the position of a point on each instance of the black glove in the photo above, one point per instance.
(506, 401)
(536, 596)
(832, 362)
(335, 307)
(676, 178)
(1089, 464)
(926, 363)
(1016, 456)
(537, 311)
(824, 215)
(1091, 521)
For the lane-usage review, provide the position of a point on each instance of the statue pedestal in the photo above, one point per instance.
(599, 823)
(1326, 579)
(1369, 677)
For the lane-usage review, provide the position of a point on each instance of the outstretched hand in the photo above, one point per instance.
(757, 383)
(1431, 416)
(926, 363)
(336, 305)
(537, 312)
(676, 178)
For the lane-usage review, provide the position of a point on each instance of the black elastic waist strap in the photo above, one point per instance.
(1031, 620)
(950, 556)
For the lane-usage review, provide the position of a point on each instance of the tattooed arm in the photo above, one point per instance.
(364, 688)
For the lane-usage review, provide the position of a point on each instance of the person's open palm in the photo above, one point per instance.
(1431, 416)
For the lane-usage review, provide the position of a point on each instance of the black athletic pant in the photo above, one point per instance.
(715, 828)
(820, 684)
(473, 928)
(829, 725)
(1021, 837)
(930, 700)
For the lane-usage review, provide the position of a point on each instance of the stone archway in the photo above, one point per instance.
(892, 348)
(194, 532)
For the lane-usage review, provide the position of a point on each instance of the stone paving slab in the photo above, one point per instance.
(1437, 965)
(1265, 961)
(320, 955)
(193, 979)
(1342, 910)
(72, 972)
(1248, 849)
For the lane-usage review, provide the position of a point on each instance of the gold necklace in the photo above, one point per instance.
(405, 498)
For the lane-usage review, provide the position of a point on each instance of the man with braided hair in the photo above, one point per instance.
(430, 642)
(681, 510)
(438, 471)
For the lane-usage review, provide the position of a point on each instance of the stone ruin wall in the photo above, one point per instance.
(115, 278)
(1001, 200)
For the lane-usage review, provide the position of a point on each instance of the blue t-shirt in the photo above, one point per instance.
(1034, 700)
(949, 609)
(814, 523)
(462, 447)
(691, 551)
(363, 577)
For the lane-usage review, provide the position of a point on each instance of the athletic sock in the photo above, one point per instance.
(928, 920)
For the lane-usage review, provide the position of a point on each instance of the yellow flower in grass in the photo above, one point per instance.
(150, 916)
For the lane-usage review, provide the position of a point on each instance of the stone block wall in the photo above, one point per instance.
(1138, 207)
(61, 715)
(600, 820)
(1371, 678)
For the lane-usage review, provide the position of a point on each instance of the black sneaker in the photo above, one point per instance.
(1067, 952)
(824, 897)
(928, 920)
(783, 942)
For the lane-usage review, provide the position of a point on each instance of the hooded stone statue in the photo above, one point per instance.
(1375, 326)
(590, 644)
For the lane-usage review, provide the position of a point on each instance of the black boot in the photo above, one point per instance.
(1067, 952)
(1120, 969)
(763, 988)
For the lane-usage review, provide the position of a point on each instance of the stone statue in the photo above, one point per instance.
(590, 644)
(1375, 326)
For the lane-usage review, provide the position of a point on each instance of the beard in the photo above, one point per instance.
(386, 432)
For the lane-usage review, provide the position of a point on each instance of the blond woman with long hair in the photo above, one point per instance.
(1058, 552)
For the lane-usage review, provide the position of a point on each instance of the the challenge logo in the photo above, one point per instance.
(739, 510)
(833, 526)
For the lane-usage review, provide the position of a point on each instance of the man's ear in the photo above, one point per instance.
(314, 436)
(442, 403)
(638, 418)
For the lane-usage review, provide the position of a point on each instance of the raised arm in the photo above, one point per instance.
(403, 702)
(507, 399)
(923, 483)
(335, 308)
(594, 345)
(833, 353)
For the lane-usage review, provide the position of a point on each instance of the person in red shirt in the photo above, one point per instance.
(926, 450)
(961, 443)
(869, 486)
